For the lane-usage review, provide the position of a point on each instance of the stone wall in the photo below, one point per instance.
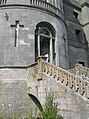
(24, 52)
(14, 100)
(70, 91)
(71, 105)
(77, 37)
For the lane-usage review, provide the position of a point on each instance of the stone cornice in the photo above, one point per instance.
(55, 11)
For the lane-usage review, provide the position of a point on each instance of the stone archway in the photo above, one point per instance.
(36, 101)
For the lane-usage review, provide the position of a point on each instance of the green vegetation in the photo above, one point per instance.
(49, 110)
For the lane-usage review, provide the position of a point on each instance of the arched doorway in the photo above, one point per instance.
(45, 41)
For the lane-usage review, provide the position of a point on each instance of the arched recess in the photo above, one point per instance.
(45, 41)
(36, 101)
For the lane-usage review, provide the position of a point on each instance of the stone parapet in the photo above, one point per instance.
(37, 4)
(81, 71)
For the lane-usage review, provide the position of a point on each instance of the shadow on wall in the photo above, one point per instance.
(36, 101)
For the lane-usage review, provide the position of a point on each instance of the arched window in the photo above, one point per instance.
(45, 41)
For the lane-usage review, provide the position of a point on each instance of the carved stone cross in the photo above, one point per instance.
(16, 26)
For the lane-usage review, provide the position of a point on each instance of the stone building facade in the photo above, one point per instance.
(56, 30)
(77, 24)
(21, 22)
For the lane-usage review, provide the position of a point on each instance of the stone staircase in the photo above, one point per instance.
(73, 79)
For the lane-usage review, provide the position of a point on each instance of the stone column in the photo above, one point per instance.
(38, 45)
(51, 51)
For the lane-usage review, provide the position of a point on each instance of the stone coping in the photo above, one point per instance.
(52, 10)
(18, 66)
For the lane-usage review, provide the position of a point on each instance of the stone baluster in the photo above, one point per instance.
(65, 79)
(82, 87)
(35, 3)
(58, 74)
(54, 71)
(67, 82)
(73, 83)
(40, 3)
(45, 68)
(40, 69)
(77, 84)
(32, 2)
(62, 76)
(70, 81)
(43, 4)
(50, 71)
(88, 73)
(87, 90)
(84, 72)
(77, 67)
(71, 86)
(57, 11)
(80, 91)
(47, 5)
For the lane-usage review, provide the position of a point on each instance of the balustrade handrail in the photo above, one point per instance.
(80, 70)
(46, 5)
(34, 2)
(74, 82)
(42, 5)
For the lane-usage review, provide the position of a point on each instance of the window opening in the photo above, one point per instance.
(75, 14)
(78, 34)
(45, 42)
(83, 63)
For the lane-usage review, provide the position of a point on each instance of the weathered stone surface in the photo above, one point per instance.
(70, 102)
(17, 51)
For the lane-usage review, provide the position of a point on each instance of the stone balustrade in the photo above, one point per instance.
(81, 71)
(67, 79)
(47, 6)
(41, 5)
(3, 1)
(74, 82)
